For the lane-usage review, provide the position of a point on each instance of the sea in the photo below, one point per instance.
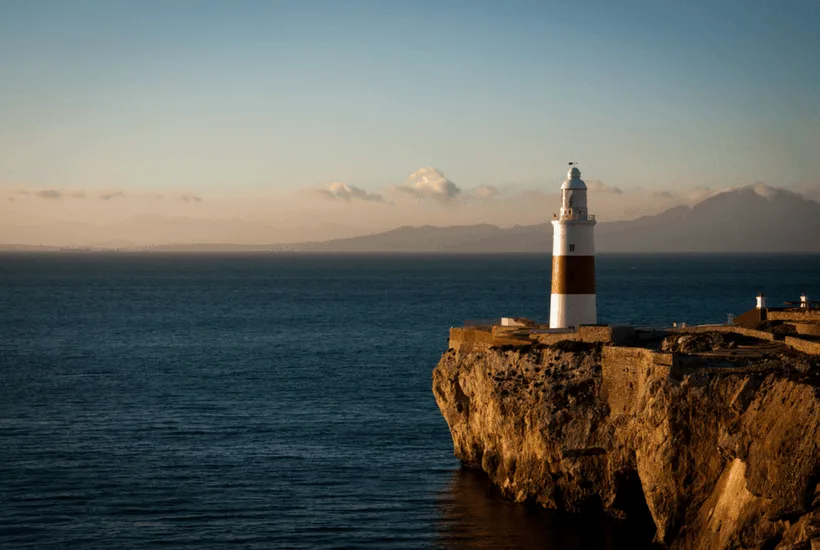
(284, 400)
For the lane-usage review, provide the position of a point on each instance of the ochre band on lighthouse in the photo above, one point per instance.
(572, 302)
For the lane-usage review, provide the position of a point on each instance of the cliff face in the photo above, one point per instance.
(720, 456)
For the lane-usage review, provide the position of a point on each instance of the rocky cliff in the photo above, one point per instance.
(719, 450)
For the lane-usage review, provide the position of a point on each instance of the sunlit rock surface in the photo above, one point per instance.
(716, 453)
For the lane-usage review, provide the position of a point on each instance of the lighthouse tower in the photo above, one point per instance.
(573, 257)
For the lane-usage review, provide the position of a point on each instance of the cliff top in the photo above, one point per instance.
(715, 344)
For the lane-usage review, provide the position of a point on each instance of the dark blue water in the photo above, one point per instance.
(284, 401)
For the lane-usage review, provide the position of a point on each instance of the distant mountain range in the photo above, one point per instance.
(755, 218)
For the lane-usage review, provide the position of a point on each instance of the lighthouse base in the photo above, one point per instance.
(571, 310)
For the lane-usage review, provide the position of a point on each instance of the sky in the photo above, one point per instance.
(276, 121)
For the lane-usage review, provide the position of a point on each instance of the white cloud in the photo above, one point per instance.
(111, 195)
(101, 194)
(48, 194)
(342, 191)
(429, 182)
(600, 187)
(485, 191)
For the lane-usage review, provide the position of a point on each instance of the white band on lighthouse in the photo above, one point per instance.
(572, 302)
(567, 309)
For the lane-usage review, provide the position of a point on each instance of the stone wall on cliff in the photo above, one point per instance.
(793, 314)
(720, 457)
(811, 347)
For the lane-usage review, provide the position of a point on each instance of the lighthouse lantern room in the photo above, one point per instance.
(572, 302)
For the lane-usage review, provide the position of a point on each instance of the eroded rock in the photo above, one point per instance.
(719, 458)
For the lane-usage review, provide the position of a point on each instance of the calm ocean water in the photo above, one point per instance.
(190, 401)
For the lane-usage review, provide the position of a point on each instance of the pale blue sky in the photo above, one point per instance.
(234, 97)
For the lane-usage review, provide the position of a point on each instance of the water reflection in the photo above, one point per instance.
(474, 516)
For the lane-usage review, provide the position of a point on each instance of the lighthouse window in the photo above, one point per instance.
(572, 248)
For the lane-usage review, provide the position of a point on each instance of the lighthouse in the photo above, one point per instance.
(572, 302)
